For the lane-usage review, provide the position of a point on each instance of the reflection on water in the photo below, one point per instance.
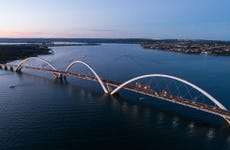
(175, 122)
(228, 143)
(191, 128)
(211, 134)
(160, 118)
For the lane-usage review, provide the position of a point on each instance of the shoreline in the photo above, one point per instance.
(11, 52)
(34, 47)
(82, 44)
(195, 47)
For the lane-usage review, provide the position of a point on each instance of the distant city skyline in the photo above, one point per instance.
(181, 19)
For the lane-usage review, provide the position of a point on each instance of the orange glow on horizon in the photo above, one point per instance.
(80, 34)
(30, 35)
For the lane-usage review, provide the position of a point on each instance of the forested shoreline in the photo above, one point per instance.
(19, 51)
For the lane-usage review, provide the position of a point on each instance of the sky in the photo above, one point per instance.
(158, 19)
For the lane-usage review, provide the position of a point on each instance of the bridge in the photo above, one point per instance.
(111, 87)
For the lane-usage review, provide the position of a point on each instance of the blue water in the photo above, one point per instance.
(44, 113)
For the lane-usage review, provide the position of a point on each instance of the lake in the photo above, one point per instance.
(44, 113)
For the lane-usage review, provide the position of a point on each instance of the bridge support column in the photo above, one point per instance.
(18, 70)
(109, 88)
(11, 69)
(5, 67)
(60, 77)
(64, 77)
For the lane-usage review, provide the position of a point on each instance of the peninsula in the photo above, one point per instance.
(18, 51)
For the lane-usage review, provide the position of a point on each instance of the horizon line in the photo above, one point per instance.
(131, 38)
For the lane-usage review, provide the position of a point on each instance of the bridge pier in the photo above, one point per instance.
(18, 70)
(5, 67)
(109, 88)
(61, 77)
(11, 68)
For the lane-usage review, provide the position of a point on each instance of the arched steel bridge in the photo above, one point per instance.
(106, 85)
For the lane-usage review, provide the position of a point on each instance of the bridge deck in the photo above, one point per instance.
(178, 100)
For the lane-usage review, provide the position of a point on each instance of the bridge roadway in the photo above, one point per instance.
(159, 95)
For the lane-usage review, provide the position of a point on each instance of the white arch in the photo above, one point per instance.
(174, 78)
(91, 69)
(19, 66)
